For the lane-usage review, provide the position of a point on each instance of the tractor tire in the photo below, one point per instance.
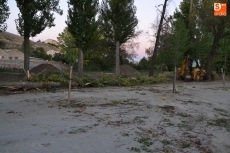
(197, 76)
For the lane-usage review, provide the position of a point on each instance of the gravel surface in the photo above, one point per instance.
(119, 120)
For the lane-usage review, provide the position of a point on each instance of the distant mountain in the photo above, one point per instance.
(12, 41)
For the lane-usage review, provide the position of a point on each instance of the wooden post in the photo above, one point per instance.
(174, 80)
(70, 80)
(223, 76)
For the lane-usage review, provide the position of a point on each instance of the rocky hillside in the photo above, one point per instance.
(12, 41)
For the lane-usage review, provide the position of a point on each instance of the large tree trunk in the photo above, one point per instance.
(26, 53)
(212, 52)
(117, 58)
(80, 62)
(121, 60)
(157, 40)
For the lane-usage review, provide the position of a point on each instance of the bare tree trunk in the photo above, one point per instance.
(212, 52)
(117, 58)
(26, 53)
(121, 60)
(70, 81)
(157, 40)
(80, 62)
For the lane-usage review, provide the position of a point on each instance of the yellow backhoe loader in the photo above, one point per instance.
(191, 70)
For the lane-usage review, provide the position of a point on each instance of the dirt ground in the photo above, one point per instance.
(12, 77)
(119, 120)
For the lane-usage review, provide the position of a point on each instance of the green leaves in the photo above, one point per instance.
(4, 14)
(197, 32)
(35, 16)
(175, 45)
(68, 46)
(81, 21)
(118, 20)
(82, 24)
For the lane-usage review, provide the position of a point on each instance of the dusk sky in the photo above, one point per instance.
(146, 14)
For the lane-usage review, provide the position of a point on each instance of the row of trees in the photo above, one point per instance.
(89, 24)
(114, 26)
(190, 31)
(33, 18)
(94, 32)
(193, 30)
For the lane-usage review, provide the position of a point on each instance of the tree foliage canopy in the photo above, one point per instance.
(40, 53)
(82, 24)
(199, 33)
(173, 50)
(81, 21)
(118, 20)
(67, 45)
(4, 14)
(35, 16)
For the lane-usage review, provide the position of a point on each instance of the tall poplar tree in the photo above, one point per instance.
(4, 14)
(82, 24)
(34, 17)
(118, 22)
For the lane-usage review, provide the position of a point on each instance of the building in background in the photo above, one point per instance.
(51, 41)
(11, 54)
(3, 55)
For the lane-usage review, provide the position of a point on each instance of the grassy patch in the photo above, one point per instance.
(167, 122)
(102, 81)
(135, 149)
(168, 109)
(118, 123)
(183, 114)
(222, 122)
(220, 110)
(167, 150)
(139, 119)
(6, 70)
(73, 104)
(185, 145)
(148, 106)
(184, 124)
(120, 102)
(146, 149)
(145, 141)
(155, 90)
(166, 142)
(116, 102)
(50, 77)
(125, 134)
(78, 131)
(200, 118)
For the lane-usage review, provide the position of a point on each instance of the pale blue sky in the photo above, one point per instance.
(146, 14)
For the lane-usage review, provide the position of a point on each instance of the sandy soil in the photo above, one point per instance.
(119, 120)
